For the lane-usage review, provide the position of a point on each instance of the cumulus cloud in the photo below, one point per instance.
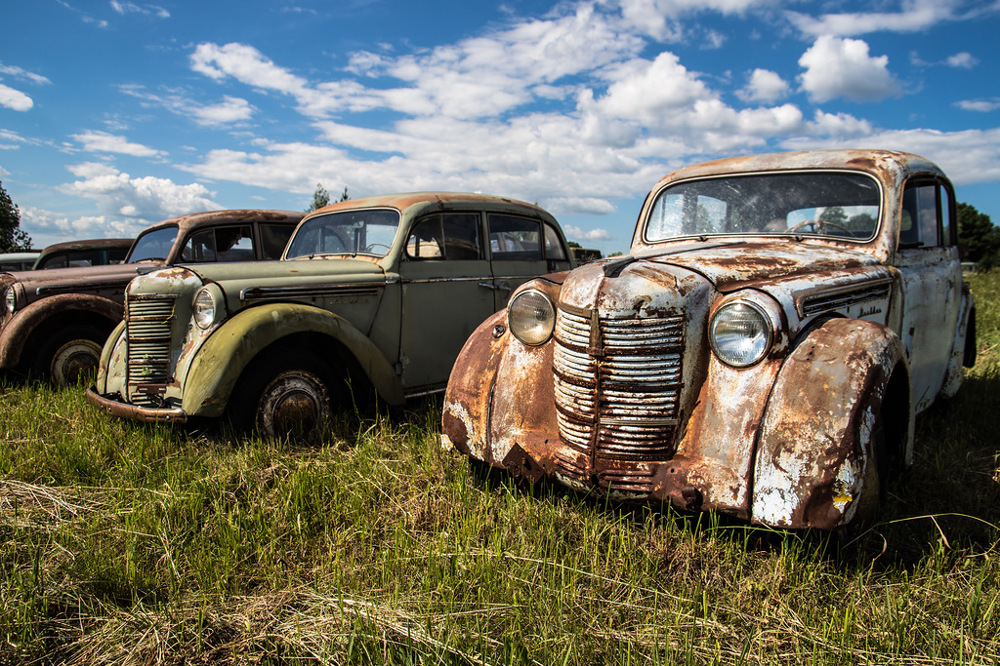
(962, 60)
(102, 142)
(576, 233)
(843, 68)
(14, 99)
(119, 195)
(660, 19)
(46, 227)
(764, 86)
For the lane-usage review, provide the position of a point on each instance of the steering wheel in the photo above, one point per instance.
(820, 225)
(372, 246)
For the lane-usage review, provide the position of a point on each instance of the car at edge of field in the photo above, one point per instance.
(54, 322)
(83, 253)
(378, 292)
(761, 352)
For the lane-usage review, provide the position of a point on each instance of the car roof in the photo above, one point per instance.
(418, 202)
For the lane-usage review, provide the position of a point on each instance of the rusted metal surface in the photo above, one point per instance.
(628, 398)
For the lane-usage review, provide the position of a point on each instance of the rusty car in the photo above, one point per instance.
(373, 295)
(55, 321)
(761, 352)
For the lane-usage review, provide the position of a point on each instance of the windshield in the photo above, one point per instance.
(842, 205)
(153, 246)
(351, 232)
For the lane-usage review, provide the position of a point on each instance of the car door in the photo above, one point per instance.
(522, 248)
(927, 258)
(446, 293)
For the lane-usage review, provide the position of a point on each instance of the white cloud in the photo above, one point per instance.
(132, 8)
(230, 110)
(651, 92)
(979, 105)
(20, 73)
(914, 16)
(962, 60)
(247, 65)
(46, 227)
(576, 233)
(843, 68)
(102, 142)
(14, 99)
(764, 86)
(660, 19)
(119, 195)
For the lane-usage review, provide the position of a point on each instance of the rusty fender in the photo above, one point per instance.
(814, 464)
(218, 363)
(509, 423)
(19, 331)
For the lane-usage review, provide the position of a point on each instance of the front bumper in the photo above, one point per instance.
(126, 411)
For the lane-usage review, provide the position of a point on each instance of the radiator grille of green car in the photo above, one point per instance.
(148, 321)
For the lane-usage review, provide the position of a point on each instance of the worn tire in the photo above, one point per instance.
(71, 355)
(287, 396)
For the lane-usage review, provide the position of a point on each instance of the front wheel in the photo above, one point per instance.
(287, 396)
(71, 356)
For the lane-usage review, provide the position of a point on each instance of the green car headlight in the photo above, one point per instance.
(205, 308)
(531, 317)
(740, 333)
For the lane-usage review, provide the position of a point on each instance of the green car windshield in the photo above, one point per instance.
(843, 205)
(353, 232)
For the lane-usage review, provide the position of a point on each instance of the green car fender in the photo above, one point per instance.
(220, 361)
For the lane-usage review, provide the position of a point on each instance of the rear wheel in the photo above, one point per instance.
(71, 355)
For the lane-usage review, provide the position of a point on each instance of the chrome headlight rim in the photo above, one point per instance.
(205, 308)
(532, 323)
(9, 300)
(760, 341)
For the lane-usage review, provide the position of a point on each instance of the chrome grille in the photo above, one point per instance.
(617, 389)
(147, 325)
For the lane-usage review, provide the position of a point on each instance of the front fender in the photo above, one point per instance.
(814, 449)
(21, 331)
(221, 359)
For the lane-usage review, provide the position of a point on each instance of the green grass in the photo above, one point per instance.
(124, 543)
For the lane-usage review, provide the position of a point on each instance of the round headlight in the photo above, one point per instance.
(204, 308)
(531, 317)
(10, 300)
(740, 334)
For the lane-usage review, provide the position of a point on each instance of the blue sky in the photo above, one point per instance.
(117, 114)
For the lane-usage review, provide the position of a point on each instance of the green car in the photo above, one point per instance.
(380, 292)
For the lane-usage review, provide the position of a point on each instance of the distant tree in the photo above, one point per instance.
(573, 244)
(834, 215)
(978, 237)
(12, 237)
(321, 197)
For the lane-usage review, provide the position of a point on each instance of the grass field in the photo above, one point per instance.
(124, 543)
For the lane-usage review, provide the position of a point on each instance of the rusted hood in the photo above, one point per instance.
(83, 279)
(733, 265)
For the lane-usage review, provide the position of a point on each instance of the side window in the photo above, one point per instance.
(554, 250)
(452, 236)
(274, 238)
(919, 225)
(222, 244)
(949, 227)
(515, 238)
